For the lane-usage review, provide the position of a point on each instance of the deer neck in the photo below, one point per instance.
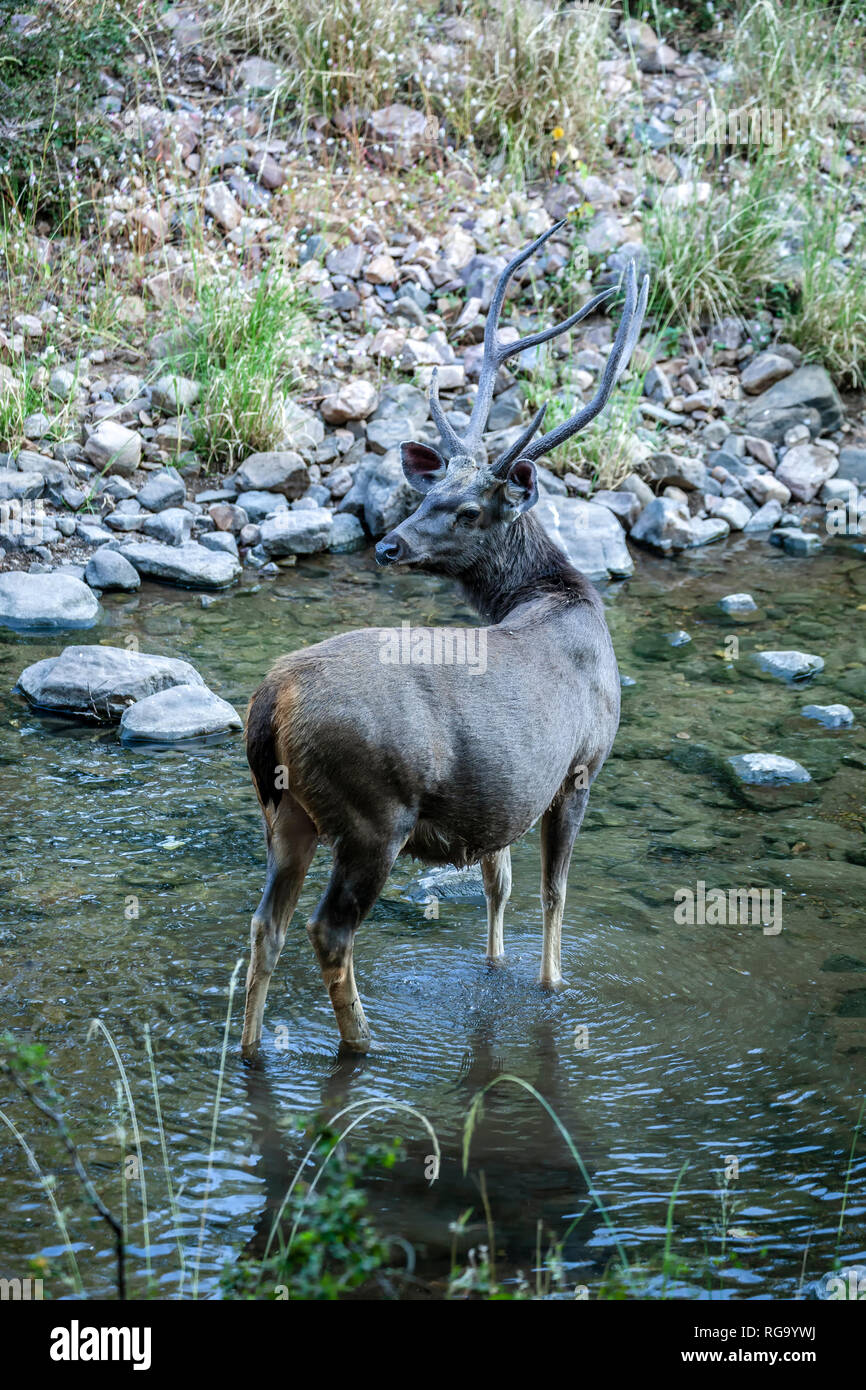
(523, 567)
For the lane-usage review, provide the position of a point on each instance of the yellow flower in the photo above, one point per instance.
(554, 157)
(558, 132)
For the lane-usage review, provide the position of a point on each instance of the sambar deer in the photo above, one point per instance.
(440, 761)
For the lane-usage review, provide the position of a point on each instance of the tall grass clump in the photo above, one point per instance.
(827, 317)
(716, 257)
(798, 57)
(245, 348)
(348, 53)
(534, 71)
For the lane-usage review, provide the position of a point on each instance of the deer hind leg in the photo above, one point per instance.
(559, 827)
(357, 878)
(496, 873)
(292, 840)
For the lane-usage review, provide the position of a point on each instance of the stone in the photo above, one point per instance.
(62, 383)
(766, 486)
(172, 526)
(590, 534)
(767, 769)
(258, 75)
(179, 713)
(259, 505)
(304, 532)
(738, 603)
(189, 565)
(355, 400)
(807, 388)
(347, 534)
(223, 207)
(731, 510)
(20, 485)
(624, 505)
(666, 525)
(852, 463)
(160, 491)
(108, 570)
(99, 683)
(233, 516)
(761, 450)
(382, 270)
(831, 716)
(789, 665)
(403, 134)
(765, 518)
(666, 469)
(795, 541)
(174, 394)
(763, 371)
(348, 261)
(219, 540)
(113, 448)
(45, 601)
(805, 468)
(282, 471)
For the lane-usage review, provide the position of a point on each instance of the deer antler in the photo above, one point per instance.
(496, 352)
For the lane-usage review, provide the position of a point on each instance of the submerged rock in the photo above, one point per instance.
(767, 769)
(789, 665)
(179, 713)
(99, 683)
(738, 603)
(831, 716)
(107, 569)
(45, 600)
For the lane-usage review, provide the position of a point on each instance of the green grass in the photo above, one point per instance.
(243, 347)
(827, 314)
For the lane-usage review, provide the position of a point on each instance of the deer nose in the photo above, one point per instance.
(389, 550)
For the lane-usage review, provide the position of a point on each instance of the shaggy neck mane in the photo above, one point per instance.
(527, 566)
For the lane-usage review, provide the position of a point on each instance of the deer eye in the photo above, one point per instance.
(468, 514)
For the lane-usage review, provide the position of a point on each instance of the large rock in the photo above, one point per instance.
(666, 525)
(107, 569)
(789, 401)
(805, 469)
(189, 565)
(45, 600)
(160, 491)
(831, 716)
(14, 484)
(177, 714)
(380, 494)
(303, 532)
(281, 471)
(258, 505)
(100, 682)
(172, 526)
(767, 769)
(353, 401)
(764, 371)
(113, 448)
(852, 464)
(590, 535)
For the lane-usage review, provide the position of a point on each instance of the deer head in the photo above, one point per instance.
(464, 498)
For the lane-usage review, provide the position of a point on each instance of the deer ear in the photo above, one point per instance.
(521, 487)
(422, 465)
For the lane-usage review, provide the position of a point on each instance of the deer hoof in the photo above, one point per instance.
(553, 986)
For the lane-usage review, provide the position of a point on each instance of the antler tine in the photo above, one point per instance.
(492, 359)
(502, 463)
(451, 440)
(626, 337)
(506, 350)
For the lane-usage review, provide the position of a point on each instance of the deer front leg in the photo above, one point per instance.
(559, 827)
(496, 873)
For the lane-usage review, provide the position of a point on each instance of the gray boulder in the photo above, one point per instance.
(45, 600)
(107, 570)
(259, 505)
(767, 770)
(347, 534)
(805, 468)
(590, 535)
(788, 402)
(281, 471)
(100, 682)
(296, 533)
(190, 564)
(177, 714)
(831, 716)
(666, 525)
(160, 491)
